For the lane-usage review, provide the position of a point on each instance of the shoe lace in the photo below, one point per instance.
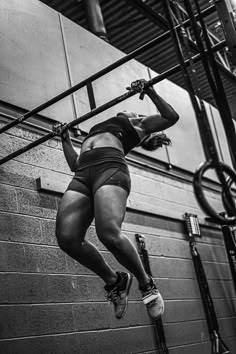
(113, 295)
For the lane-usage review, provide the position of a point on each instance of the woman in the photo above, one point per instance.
(100, 189)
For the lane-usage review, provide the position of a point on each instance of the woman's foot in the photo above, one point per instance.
(118, 293)
(153, 300)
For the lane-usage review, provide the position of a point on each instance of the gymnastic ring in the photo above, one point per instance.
(226, 203)
(200, 196)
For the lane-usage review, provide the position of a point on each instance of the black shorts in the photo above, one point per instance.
(99, 167)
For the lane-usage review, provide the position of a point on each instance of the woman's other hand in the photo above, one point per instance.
(140, 86)
(59, 129)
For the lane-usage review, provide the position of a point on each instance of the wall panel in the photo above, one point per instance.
(33, 65)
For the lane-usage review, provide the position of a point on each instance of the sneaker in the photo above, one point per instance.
(118, 293)
(153, 300)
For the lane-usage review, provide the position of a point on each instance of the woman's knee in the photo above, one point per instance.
(110, 235)
(67, 240)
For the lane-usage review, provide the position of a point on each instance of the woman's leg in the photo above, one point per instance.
(74, 216)
(109, 208)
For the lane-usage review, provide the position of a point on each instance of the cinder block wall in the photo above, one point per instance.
(50, 304)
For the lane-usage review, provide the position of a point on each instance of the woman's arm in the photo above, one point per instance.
(166, 117)
(69, 151)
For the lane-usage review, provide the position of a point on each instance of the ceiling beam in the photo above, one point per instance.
(160, 21)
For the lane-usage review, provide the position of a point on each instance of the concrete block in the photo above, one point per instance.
(50, 186)
(127, 340)
(40, 156)
(172, 268)
(217, 270)
(20, 174)
(87, 288)
(3, 288)
(90, 316)
(30, 320)
(190, 332)
(12, 257)
(73, 267)
(48, 231)
(178, 289)
(170, 247)
(73, 342)
(19, 228)
(203, 348)
(37, 204)
(8, 201)
(44, 259)
(221, 288)
(11, 173)
(154, 221)
(212, 253)
(38, 288)
(184, 333)
(225, 307)
(163, 190)
(160, 246)
(182, 268)
(183, 311)
(231, 343)
(93, 315)
(188, 288)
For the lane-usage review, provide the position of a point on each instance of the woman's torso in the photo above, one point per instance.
(107, 139)
(101, 140)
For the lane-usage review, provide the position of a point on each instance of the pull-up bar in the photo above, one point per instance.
(99, 74)
(107, 105)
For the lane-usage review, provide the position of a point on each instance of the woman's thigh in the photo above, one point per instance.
(109, 209)
(75, 214)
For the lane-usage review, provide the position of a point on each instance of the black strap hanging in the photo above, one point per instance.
(230, 245)
(158, 324)
(218, 345)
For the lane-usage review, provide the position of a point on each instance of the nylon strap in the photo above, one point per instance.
(230, 245)
(158, 324)
(218, 345)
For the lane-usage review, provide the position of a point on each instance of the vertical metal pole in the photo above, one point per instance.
(95, 18)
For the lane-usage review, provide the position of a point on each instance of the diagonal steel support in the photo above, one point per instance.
(163, 24)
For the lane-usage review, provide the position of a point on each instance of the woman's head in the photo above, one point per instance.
(155, 141)
(127, 114)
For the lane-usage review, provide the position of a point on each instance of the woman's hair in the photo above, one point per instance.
(155, 141)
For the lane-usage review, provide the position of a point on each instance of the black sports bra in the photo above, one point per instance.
(122, 128)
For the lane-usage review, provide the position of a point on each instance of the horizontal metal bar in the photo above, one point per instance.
(97, 75)
(107, 105)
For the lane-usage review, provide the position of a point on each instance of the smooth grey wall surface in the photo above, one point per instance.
(33, 65)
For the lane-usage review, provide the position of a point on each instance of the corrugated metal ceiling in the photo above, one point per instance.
(128, 28)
